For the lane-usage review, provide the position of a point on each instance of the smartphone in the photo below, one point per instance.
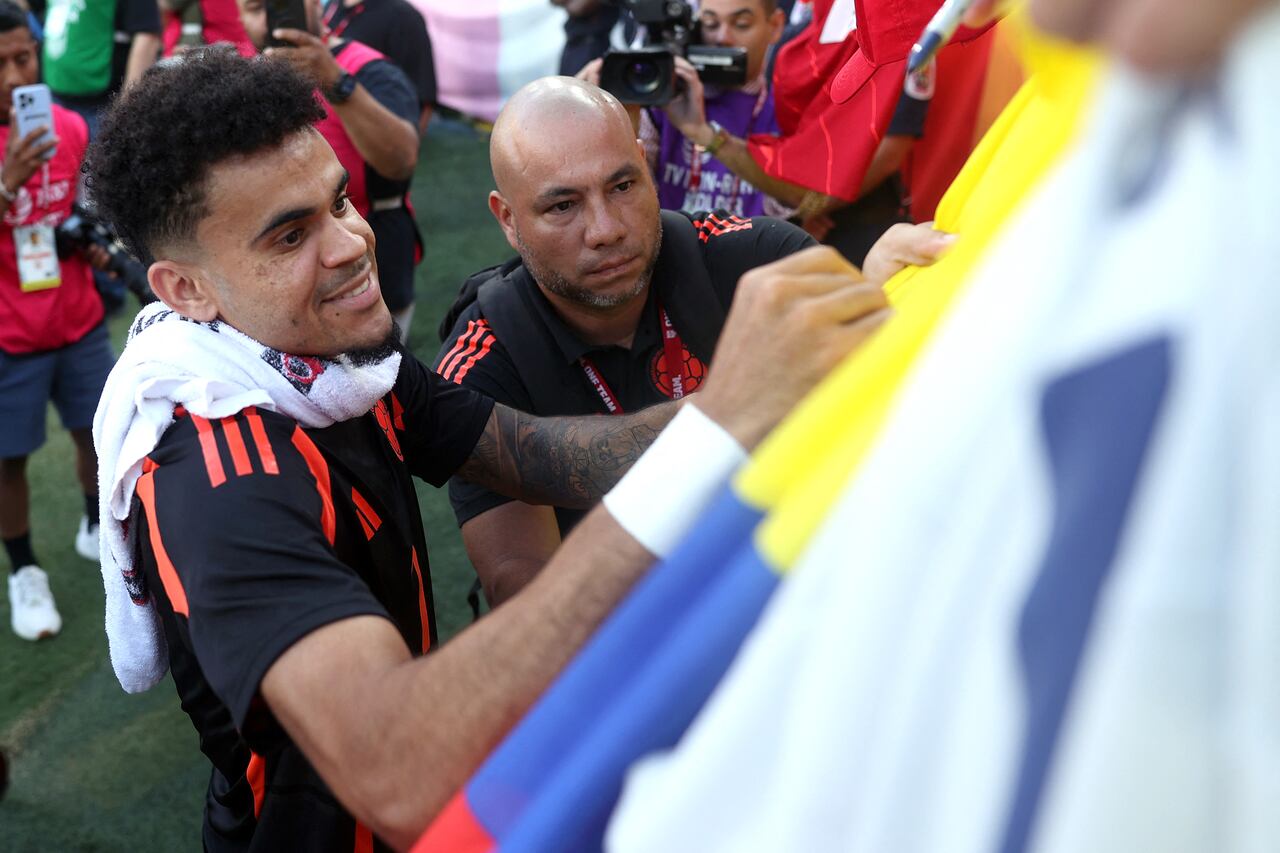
(285, 15)
(32, 108)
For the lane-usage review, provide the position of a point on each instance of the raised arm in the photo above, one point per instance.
(569, 462)
(393, 736)
(387, 142)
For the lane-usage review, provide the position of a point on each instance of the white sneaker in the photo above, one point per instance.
(87, 540)
(31, 604)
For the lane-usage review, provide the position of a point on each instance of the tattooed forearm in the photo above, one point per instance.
(568, 462)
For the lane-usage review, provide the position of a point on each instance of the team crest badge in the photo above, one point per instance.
(694, 372)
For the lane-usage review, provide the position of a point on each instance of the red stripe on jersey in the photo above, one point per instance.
(146, 492)
(209, 447)
(422, 603)
(460, 349)
(485, 345)
(733, 223)
(397, 412)
(256, 774)
(369, 519)
(235, 442)
(364, 839)
(319, 470)
(260, 440)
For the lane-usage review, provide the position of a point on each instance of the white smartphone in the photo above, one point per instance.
(32, 108)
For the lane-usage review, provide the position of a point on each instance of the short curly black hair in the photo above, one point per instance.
(146, 170)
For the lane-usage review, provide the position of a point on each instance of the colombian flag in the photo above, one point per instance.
(635, 688)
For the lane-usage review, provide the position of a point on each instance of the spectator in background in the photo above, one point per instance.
(395, 29)
(372, 127)
(53, 343)
(194, 23)
(836, 163)
(94, 47)
(682, 159)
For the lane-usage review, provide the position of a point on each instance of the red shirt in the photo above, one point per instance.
(827, 146)
(54, 318)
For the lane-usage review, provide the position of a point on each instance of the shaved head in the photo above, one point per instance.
(574, 194)
(540, 120)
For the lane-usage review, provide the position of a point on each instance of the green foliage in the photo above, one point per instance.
(92, 768)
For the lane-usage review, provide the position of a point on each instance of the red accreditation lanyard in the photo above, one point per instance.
(672, 348)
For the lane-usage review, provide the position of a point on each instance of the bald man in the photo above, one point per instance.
(613, 308)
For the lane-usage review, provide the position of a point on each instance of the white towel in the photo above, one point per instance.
(213, 371)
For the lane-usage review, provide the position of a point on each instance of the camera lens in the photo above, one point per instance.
(643, 77)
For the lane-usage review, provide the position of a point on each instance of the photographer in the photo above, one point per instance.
(53, 343)
(688, 176)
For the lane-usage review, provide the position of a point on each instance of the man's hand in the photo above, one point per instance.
(791, 322)
(590, 73)
(23, 156)
(902, 246)
(687, 110)
(309, 56)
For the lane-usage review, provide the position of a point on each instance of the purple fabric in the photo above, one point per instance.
(718, 188)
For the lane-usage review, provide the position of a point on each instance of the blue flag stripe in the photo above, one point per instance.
(507, 782)
(1098, 423)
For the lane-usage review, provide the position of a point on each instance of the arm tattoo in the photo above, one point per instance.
(568, 462)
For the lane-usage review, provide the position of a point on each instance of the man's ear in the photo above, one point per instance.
(502, 212)
(777, 23)
(182, 289)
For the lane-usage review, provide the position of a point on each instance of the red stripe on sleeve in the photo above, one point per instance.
(369, 519)
(460, 349)
(235, 443)
(209, 447)
(465, 347)
(260, 440)
(423, 616)
(256, 774)
(319, 470)
(485, 346)
(146, 492)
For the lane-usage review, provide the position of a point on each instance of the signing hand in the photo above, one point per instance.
(23, 156)
(308, 55)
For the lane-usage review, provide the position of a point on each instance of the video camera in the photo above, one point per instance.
(81, 229)
(647, 75)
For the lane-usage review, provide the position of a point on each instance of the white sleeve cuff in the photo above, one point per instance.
(666, 491)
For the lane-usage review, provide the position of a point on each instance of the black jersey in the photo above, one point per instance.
(475, 356)
(253, 532)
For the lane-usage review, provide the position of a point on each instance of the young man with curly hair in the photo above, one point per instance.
(259, 438)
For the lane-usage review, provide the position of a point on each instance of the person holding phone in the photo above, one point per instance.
(371, 123)
(53, 343)
(93, 50)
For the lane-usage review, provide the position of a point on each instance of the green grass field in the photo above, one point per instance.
(94, 769)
